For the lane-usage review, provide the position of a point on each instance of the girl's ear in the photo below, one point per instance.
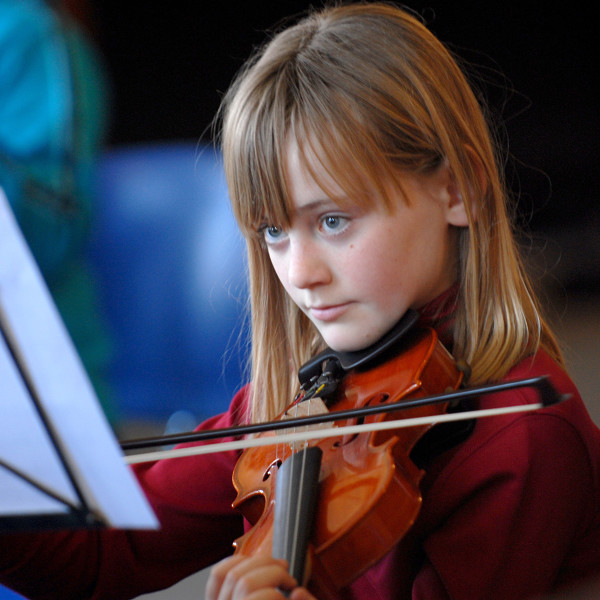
(458, 209)
(451, 196)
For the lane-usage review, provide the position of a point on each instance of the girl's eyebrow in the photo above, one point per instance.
(318, 203)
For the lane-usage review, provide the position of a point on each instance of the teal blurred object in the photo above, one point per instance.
(170, 263)
(54, 110)
(53, 114)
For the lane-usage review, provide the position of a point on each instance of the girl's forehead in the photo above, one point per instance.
(304, 167)
(317, 168)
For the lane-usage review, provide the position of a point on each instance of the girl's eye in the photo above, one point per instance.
(272, 234)
(334, 224)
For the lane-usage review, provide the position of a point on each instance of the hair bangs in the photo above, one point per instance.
(254, 142)
(348, 173)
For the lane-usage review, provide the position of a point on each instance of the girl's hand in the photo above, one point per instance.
(254, 578)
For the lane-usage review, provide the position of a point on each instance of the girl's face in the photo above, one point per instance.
(355, 271)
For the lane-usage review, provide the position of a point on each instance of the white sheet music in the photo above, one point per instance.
(54, 368)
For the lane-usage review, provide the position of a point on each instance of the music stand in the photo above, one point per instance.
(60, 465)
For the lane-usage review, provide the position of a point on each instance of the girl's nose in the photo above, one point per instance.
(307, 265)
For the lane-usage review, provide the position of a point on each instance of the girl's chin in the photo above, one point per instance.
(345, 341)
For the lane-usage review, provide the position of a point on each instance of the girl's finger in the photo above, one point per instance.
(217, 576)
(239, 577)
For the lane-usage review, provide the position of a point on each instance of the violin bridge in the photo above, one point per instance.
(306, 408)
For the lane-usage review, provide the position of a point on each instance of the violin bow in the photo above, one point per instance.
(547, 392)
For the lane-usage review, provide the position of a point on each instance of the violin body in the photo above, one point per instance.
(368, 488)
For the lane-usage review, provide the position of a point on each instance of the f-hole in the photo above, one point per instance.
(380, 398)
(274, 465)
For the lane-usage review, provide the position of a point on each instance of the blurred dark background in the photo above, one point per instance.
(171, 62)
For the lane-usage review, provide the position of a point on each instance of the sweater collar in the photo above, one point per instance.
(439, 314)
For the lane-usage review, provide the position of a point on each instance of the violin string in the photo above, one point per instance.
(289, 490)
(300, 493)
(293, 558)
(292, 524)
(292, 448)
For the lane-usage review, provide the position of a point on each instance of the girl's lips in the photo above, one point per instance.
(328, 313)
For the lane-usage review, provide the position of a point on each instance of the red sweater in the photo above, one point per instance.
(509, 513)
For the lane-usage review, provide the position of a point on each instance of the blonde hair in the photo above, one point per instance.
(371, 92)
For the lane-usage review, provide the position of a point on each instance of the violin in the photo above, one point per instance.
(345, 500)
(335, 506)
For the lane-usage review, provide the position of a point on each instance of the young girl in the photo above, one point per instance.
(363, 175)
